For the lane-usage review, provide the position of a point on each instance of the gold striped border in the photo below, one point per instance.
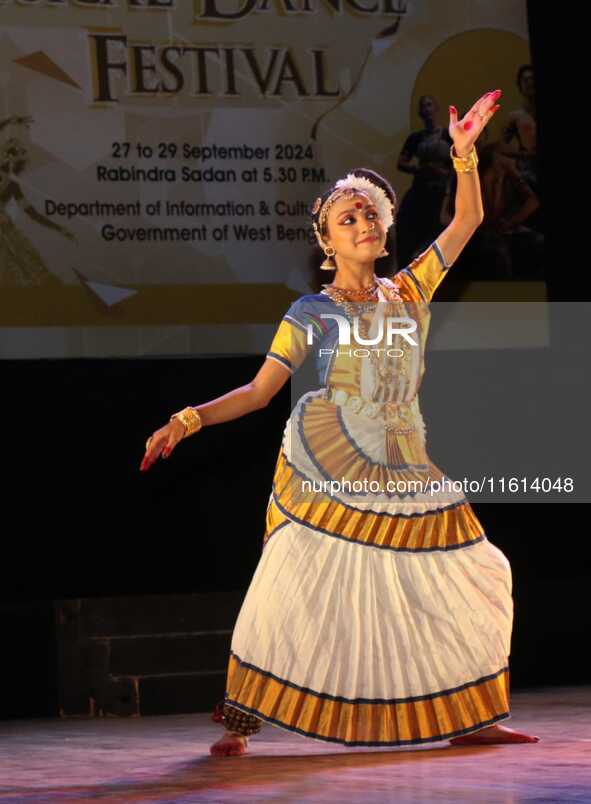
(445, 529)
(404, 721)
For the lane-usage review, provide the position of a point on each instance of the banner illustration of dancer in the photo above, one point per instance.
(21, 264)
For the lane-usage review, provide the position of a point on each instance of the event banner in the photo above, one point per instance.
(159, 157)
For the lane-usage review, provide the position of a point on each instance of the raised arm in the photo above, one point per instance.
(424, 274)
(469, 212)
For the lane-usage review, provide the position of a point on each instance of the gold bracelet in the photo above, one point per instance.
(464, 164)
(190, 418)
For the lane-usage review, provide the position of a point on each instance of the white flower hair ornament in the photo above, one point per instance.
(348, 187)
(377, 194)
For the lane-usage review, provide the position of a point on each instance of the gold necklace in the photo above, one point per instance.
(352, 306)
(368, 292)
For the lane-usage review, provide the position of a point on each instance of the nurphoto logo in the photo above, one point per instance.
(401, 326)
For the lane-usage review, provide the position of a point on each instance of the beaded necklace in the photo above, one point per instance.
(367, 292)
(343, 297)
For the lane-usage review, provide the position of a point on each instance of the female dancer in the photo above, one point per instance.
(380, 616)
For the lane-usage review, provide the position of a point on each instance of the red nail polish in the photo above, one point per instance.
(453, 109)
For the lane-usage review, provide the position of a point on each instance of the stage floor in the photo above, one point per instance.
(166, 759)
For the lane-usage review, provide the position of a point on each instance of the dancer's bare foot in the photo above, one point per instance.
(230, 745)
(492, 735)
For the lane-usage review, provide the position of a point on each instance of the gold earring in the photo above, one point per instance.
(329, 264)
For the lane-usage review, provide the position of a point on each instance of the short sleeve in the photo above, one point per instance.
(297, 332)
(424, 274)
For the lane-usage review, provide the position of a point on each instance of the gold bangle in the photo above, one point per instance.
(464, 164)
(190, 418)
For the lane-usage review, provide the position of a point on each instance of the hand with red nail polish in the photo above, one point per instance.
(162, 443)
(466, 131)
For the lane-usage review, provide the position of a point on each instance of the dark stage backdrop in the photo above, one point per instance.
(81, 521)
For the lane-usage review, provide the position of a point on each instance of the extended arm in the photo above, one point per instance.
(255, 395)
(236, 403)
(287, 352)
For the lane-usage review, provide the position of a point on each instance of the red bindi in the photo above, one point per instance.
(358, 204)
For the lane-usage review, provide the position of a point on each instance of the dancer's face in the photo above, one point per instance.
(354, 228)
